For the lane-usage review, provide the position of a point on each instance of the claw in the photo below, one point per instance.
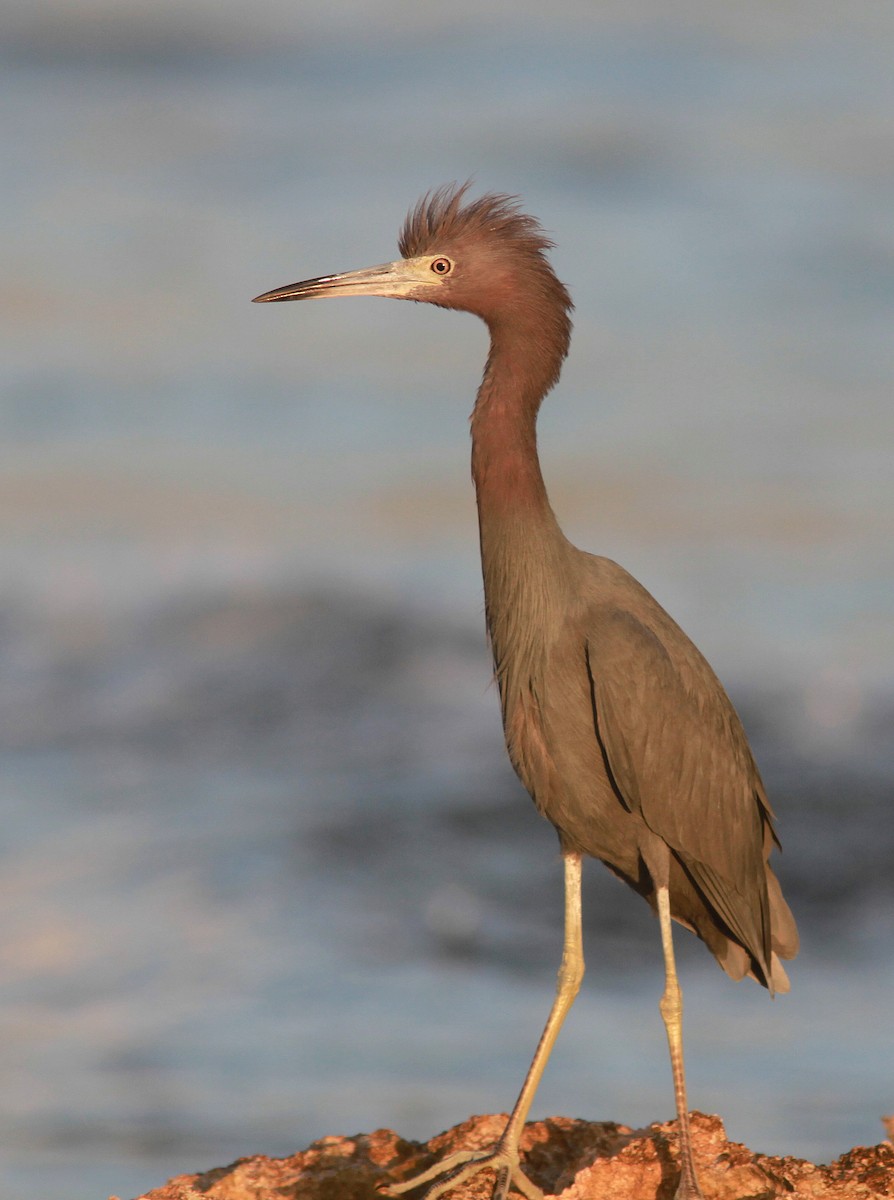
(454, 1170)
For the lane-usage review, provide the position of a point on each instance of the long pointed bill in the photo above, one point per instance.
(396, 279)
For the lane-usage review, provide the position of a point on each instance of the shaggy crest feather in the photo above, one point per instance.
(440, 216)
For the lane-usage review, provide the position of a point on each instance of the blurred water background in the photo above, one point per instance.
(265, 873)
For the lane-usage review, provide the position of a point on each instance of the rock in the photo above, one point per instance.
(577, 1160)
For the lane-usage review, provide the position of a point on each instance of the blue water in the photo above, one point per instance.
(266, 874)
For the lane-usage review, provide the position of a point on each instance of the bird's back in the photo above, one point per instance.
(620, 729)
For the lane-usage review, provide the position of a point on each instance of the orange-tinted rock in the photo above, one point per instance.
(577, 1160)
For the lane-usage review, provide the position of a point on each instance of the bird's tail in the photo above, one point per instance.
(784, 937)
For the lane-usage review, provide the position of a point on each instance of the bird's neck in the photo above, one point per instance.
(505, 465)
(521, 541)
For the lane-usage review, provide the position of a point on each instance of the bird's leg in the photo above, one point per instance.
(504, 1158)
(672, 1013)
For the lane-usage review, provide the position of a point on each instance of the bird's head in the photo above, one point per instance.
(485, 256)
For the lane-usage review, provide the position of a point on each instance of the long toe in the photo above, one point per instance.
(456, 1170)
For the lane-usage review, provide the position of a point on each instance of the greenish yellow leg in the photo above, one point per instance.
(672, 1014)
(504, 1159)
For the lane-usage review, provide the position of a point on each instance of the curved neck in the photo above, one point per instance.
(521, 368)
(522, 545)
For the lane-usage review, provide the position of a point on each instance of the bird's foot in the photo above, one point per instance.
(453, 1171)
(688, 1190)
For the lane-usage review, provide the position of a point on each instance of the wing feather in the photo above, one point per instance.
(676, 754)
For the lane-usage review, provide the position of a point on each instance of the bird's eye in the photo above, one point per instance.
(442, 266)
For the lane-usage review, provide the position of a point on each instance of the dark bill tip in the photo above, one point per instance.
(277, 295)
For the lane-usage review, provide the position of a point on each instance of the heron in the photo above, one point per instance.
(614, 722)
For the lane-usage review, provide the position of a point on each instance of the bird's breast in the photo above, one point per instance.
(550, 730)
(527, 744)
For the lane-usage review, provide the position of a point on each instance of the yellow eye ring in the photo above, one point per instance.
(442, 266)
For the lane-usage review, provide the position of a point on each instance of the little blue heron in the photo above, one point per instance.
(614, 722)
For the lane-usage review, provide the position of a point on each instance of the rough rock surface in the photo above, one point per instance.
(577, 1160)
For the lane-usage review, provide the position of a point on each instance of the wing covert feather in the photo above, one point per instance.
(675, 747)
